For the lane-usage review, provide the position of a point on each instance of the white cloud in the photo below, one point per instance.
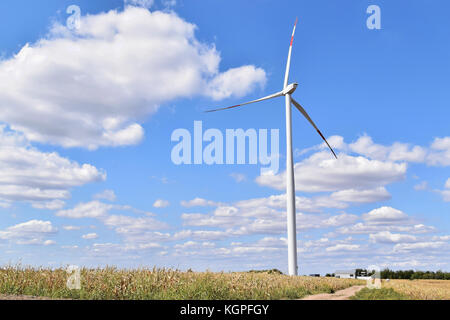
(27, 174)
(169, 3)
(343, 247)
(418, 246)
(106, 195)
(385, 215)
(199, 202)
(437, 154)
(160, 203)
(126, 64)
(31, 232)
(202, 235)
(90, 236)
(71, 228)
(387, 237)
(194, 244)
(50, 205)
(238, 177)
(132, 225)
(441, 238)
(93, 209)
(440, 152)
(140, 3)
(445, 193)
(362, 196)
(396, 152)
(340, 220)
(421, 186)
(236, 82)
(320, 173)
(368, 228)
(136, 231)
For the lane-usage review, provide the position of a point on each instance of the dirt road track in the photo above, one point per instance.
(338, 295)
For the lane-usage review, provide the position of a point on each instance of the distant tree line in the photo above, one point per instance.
(271, 271)
(413, 275)
(403, 274)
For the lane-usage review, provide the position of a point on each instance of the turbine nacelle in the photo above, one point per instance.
(290, 89)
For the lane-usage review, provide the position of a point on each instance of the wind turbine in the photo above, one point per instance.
(288, 90)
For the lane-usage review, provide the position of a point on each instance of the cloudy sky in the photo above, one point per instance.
(88, 107)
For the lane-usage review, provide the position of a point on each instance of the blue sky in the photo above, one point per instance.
(86, 175)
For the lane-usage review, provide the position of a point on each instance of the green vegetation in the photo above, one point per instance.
(271, 271)
(159, 284)
(379, 294)
(415, 275)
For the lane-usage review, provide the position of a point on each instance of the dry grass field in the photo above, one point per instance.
(421, 289)
(158, 284)
(408, 290)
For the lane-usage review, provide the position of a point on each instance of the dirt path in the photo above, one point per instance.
(338, 295)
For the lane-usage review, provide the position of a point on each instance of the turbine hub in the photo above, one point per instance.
(290, 88)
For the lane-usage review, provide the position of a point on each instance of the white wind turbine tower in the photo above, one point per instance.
(290, 184)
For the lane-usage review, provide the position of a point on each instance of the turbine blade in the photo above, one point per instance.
(275, 95)
(288, 66)
(303, 111)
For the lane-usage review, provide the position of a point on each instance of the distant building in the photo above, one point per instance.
(345, 274)
(315, 275)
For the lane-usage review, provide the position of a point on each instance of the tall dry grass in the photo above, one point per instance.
(421, 289)
(160, 284)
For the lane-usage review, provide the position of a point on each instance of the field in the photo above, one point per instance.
(159, 284)
(408, 289)
(421, 289)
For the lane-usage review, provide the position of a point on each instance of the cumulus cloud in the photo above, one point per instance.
(320, 173)
(106, 195)
(421, 186)
(50, 205)
(199, 202)
(160, 203)
(236, 82)
(437, 154)
(388, 237)
(385, 215)
(71, 228)
(396, 152)
(139, 3)
(95, 85)
(343, 247)
(261, 216)
(440, 152)
(27, 174)
(134, 230)
(368, 228)
(93, 209)
(238, 177)
(90, 236)
(446, 192)
(31, 232)
(362, 196)
(426, 245)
